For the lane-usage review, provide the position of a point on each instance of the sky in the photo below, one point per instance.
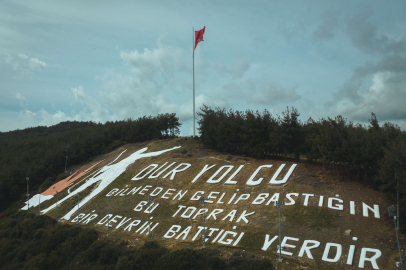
(113, 60)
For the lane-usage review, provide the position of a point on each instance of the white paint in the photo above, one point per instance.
(161, 172)
(214, 213)
(180, 207)
(268, 242)
(289, 197)
(132, 224)
(260, 198)
(180, 195)
(136, 178)
(106, 176)
(374, 210)
(230, 215)
(112, 192)
(285, 179)
(145, 225)
(274, 198)
(185, 233)
(306, 200)
(352, 208)
(103, 220)
(177, 170)
(212, 230)
(140, 205)
(200, 229)
(284, 244)
(197, 195)
(200, 212)
(151, 208)
(117, 157)
(355, 238)
(307, 246)
(350, 256)
(211, 180)
(185, 214)
(372, 259)
(243, 215)
(168, 192)
(321, 201)
(337, 206)
(251, 181)
(229, 240)
(232, 198)
(222, 196)
(90, 219)
(145, 189)
(243, 197)
(238, 239)
(229, 180)
(113, 220)
(134, 190)
(211, 196)
(156, 191)
(218, 236)
(34, 201)
(152, 172)
(205, 169)
(327, 250)
(123, 222)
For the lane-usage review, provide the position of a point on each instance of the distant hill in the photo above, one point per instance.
(327, 223)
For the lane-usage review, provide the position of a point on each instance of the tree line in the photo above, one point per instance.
(370, 153)
(40, 152)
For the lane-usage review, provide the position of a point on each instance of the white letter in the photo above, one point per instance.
(289, 197)
(306, 200)
(157, 190)
(285, 179)
(260, 198)
(243, 215)
(205, 169)
(327, 249)
(139, 178)
(196, 196)
(213, 181)
(283, 244)
(172, 231)
(338, 206)
(251, 182)
(366, 207)
(307, 248)
(229, 182)
(373, 259)
(268, 242)
(174, 171)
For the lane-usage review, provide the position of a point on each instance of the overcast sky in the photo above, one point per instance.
(113, 60)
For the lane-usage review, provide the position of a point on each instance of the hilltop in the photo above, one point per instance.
(242, 216)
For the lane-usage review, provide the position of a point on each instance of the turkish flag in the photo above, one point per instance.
(199, 36)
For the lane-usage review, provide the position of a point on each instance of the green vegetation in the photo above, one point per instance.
(312, 217)
(371, 154)
(38, 242)
(40, 153)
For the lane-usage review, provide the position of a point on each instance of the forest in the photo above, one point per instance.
(372, 154)
(39, 153)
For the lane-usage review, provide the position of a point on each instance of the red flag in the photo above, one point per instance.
(199, 36)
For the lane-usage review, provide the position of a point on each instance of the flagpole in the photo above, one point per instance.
(193, 82)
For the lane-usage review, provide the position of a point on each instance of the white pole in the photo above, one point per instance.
(193, 83)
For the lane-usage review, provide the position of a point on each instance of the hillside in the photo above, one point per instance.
(240, 215)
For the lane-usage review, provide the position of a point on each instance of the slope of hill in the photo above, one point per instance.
(326, 223)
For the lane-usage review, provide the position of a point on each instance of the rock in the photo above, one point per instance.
(320, 172)
(229, 157)
(347, 232)
(175, 156)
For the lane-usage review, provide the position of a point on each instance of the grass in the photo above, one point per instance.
(313, 217)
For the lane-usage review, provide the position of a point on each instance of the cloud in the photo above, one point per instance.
(23, 64)
(365, 35)
(97, 112)
(378, 88)
(270, 93)
(328, 26)
(20, 97)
